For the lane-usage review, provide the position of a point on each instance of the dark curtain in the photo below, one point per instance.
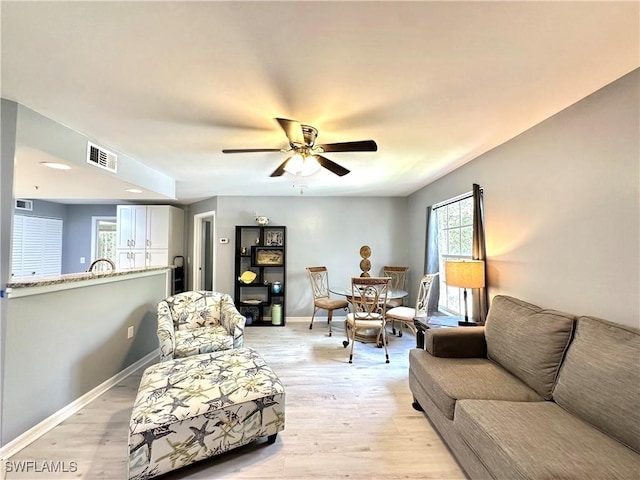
(431, 261)
(479, 296)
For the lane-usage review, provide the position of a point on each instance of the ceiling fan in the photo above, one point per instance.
(307, 157)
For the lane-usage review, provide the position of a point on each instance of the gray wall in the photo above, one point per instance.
(9, 116)
(65, 343)
(43, 208)
(561, 208)
(78, 234)
(320, 231)
(77, 228)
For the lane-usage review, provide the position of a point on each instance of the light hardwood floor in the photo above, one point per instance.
(342, 421)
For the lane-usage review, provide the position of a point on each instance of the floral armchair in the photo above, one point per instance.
(196, 322)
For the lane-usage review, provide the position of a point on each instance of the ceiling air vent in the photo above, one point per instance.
(102, 158)
(22, 204)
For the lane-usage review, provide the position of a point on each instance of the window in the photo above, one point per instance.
(37, 246)
(455, 241)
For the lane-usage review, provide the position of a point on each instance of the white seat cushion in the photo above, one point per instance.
(402, 313)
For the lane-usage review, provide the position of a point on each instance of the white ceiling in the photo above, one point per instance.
(436, 84)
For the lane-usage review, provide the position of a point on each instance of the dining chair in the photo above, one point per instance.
(319, 277)
(369, 301)
(398, 281)
(405, 315)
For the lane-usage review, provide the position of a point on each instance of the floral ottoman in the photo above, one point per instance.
(192, 408)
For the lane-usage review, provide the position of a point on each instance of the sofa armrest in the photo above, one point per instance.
(232, 320)
(166, 334)
(456, 342)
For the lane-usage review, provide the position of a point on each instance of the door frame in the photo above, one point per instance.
(94, 234)
(198, 219)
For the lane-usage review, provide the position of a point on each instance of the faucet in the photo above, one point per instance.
(110, 262)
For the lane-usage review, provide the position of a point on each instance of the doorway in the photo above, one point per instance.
(204, 258)
(103, 238)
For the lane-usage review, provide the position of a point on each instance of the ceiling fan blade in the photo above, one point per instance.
(361, 146)
(280, 170)
(332, 166)
(251, 150)
(293, 130)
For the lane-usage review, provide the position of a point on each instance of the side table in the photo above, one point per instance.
(424, 323)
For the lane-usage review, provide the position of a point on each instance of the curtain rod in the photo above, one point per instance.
(453, 200)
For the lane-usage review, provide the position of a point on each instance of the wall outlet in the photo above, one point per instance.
(130, 332)
(82, 260)
(224, 240)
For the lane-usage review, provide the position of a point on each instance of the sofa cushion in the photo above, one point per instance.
(447, 380)
(600, 379)
(195, 309)
(517, 440)
(528, 341)
(202, 340)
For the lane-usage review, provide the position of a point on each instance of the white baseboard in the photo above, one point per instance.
(336, 318)
(35, 432)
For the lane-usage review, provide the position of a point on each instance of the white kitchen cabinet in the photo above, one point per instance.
(158, 231)
(132, 226)
(131, 258)
(149, 235)
(158, 257)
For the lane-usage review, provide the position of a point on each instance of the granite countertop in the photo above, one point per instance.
(44, 280)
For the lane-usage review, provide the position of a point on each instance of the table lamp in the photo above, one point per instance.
(464, 274)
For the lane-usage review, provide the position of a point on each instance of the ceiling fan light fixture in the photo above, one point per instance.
(310, 166)
(294, 165)
(302, 165)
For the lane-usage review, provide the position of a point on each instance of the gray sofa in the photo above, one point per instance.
(534, 394)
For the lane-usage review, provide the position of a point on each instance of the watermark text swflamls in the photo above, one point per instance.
(40, 466)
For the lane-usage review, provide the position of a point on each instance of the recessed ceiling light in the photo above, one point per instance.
(56, 165)
(134, 190)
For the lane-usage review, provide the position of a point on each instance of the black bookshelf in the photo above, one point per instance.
(261, 250)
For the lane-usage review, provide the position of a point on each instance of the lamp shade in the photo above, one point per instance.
(464, 273)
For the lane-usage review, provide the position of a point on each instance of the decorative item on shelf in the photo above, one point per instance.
(267, 256)
(248, 277)
(252, 301)
(252, 315)
(262, 221)
(365, 263)
(243, 251)
(464, 274)
(274, 238)
(276, 314)
(276, 287)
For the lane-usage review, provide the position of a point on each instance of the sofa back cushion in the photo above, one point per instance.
(528, 341)
(600, 379)
(195, 309)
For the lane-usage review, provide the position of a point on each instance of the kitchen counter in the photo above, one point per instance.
(33, 285)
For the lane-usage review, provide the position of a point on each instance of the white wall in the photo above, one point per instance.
(562, 215)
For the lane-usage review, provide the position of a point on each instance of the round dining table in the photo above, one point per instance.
(369, 335)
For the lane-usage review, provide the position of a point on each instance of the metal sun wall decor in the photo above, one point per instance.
(365, 263)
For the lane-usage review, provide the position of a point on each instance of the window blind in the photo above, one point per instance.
(37, 246)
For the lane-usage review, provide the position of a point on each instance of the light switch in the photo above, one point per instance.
(82, 260)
